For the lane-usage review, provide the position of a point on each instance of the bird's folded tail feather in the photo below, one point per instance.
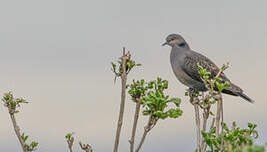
(242, 95)
(233, 89)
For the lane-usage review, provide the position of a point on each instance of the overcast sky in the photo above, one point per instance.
(57, 53)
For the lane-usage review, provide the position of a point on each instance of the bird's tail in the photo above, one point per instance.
(242, 95)
(233, 89)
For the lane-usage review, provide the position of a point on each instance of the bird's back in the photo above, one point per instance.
(190, 65)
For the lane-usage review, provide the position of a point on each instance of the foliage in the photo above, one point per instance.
(211, 81)
(69, 136)
(30, 147)
(154, 100)
(12, 103)
(117, 69)
(212, 84)
(229, 140)
(234, 140)
(137, 88)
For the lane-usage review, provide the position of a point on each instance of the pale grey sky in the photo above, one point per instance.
(57, 54)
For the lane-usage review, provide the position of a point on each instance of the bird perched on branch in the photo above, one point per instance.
(184, 62)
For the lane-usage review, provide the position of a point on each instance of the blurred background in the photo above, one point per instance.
(56, 54)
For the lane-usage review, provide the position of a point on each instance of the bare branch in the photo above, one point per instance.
(221, 114)
(86, 148)
(224, 67)
(194, 100)
(197, 117)
(124, 59)
(205, 120)
(212, 123)
(70, 141)
(211, 126)
(12, 104)
(151, 123)
(218, 98)
(17, 131)
(136, 116)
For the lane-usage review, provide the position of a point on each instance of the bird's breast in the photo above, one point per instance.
(176, 63)
(180, 74)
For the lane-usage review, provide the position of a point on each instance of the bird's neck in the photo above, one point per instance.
(183, 45)
(178, 52)
(180, 49)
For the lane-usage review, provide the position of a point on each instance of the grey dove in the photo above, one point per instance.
(184, 65)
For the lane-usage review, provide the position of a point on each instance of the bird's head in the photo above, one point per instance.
(177, 39)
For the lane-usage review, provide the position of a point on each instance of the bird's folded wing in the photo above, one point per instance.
(191, 68)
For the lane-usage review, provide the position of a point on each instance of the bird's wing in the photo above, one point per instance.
(191, 68)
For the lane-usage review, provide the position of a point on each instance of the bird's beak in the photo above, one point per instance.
(164, 44)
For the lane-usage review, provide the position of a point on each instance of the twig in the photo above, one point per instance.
(12, 111)
(136, 116)
(210, 84)
(218, 114)
(222, 114)
(212, 123)
(233, 126)
(205, 120)
(142, 140)
(86, 148)
(211, 126)
(197, 117)
(123, 76)
(17, 129)
(70, 142)
(195, 102)
(151, 123)
(218, 97)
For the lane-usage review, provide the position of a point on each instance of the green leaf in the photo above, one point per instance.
(174, 113)
(176, 101)
(69, 136)
(146, 112)
(113, 66)
(24, 137)
(34, 144)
